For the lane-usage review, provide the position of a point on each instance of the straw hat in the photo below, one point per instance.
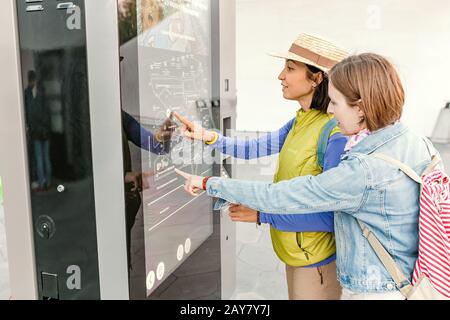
(314, 51)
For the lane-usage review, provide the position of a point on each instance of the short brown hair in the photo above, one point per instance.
(371, 82)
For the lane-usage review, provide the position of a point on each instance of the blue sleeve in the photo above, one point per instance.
(137, 134)
(335, 149)
(265, 145)
(318, 222)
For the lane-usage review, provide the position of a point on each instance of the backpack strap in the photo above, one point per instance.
(429, 145)
(407, 170)
(323, 140)
(435, 159)
(402, 283)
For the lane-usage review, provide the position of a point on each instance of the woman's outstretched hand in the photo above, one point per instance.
(193, 184)
(242, 213)
(193, 130)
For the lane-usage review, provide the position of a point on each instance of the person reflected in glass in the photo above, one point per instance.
(39, 130)
(152, 13)
(29, 97)
(136, 181)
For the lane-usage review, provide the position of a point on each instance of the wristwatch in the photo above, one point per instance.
(205, 180)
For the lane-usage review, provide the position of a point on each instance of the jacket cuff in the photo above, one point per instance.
(220, 204)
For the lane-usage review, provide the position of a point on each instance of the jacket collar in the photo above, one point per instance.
(374, 141)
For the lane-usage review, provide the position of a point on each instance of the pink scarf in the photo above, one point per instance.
(356, 138)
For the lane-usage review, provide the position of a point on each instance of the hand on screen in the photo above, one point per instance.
(241, 213)
(138, 180)
(194, 131)
(193, 184)
(166, 130)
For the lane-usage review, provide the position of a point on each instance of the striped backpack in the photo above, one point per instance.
(431, 275)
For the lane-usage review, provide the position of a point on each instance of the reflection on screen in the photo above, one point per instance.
(166, 68)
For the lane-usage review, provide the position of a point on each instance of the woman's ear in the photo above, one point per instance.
(318, 78)
(360, 112)
(362, 117)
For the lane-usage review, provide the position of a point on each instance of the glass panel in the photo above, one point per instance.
(165, 49)
(56, 103)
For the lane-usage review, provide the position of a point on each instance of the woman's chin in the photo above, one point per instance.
(342, 130)
(287, 96)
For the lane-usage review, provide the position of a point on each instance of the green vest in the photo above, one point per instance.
(298, 157)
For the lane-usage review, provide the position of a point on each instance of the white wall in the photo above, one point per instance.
(415, 34)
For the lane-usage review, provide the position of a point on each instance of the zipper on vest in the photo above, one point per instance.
(301, 246)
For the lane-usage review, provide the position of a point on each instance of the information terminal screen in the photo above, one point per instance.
(165, 66)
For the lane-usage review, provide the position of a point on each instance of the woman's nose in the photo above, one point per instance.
(281, 75)
(330, 108)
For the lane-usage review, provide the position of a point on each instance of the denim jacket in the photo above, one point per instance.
(360, 187)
